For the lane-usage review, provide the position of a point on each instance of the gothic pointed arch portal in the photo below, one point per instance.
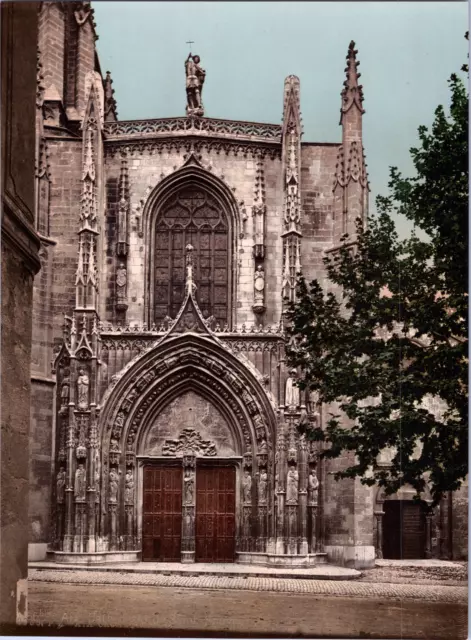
(191, 206)
(183, 408)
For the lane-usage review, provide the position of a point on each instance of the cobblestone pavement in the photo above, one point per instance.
(418, 573)
(57, 608)
(356, 589)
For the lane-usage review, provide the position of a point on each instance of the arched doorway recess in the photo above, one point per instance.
(403, 525)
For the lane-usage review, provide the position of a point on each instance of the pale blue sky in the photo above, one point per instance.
(407, 51)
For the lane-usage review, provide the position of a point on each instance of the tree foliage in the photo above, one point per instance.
(390, 331)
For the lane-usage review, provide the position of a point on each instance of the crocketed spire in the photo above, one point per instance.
(352, 93)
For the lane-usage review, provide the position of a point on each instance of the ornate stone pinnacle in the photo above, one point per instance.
(352, 91)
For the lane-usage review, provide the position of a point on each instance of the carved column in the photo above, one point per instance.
(291, 151)
(262, 501)
(247, 482)
(189, 502)
(280, 471)
(313, 501)
(122, 243)
(80, 483)
(91, 485)
(303, 547)
(69, 491)
(259, 212)
(292, 488)
(113, 491)
(379, 534)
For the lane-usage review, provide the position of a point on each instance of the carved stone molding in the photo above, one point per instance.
(211, 126)
(178, 145)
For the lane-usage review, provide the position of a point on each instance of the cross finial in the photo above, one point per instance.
(190, 42)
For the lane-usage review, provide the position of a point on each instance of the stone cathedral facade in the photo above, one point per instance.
(163, 412)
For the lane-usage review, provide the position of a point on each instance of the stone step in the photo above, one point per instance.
(322, 572)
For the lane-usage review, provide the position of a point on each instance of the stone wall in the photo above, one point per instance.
(317, 199)
(460, 523)
(237, 172)
(20, 246)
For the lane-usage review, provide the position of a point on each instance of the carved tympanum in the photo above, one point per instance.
(189, 441)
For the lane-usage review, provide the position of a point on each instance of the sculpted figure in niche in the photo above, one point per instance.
(189, 487)
(129, 487)
(65, 388)
(292, 391)
(121, 279)
(195, 76)
(259, 283)
(79, 486)
(247, 486)
(114, 478)
(262, 486)
(312, 487)
(60, 485)
(292, 485)
(83, 383)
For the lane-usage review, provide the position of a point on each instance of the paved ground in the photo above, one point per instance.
(310, 608)
(423, 572)
(429, 593)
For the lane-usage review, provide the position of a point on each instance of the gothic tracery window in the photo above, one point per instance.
(192, 216)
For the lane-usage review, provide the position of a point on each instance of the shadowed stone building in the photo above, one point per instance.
(166, 427)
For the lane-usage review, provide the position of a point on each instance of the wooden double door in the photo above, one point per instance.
(403, 530)
(214, 523)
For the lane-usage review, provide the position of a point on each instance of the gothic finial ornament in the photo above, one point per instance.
(352, 92)
(195, 76)
(111, 113)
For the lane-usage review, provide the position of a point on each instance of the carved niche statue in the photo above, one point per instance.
(292, 485)
(129, 487)
(79, 486)
(83, 384)
(259, 290)
(60, 485)
(292, 391)
(65, 388)
(121, 280)
(312, 487)
(312, 400)
(189, 482)
(195, 76)
(262, 486)
(113, 494)
(247, 486)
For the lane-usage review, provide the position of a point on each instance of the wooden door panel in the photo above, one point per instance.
(403, 530)
(215, 514)
(162, 514)
(413, 531)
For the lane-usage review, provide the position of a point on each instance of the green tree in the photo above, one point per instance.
(393, 328)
